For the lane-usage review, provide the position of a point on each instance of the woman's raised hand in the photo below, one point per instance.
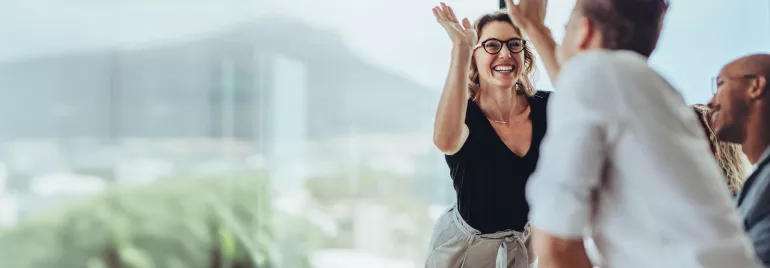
(462, 35)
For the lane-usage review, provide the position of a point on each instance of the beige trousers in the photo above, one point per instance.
(455, 244)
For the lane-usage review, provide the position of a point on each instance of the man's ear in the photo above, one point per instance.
(585, 34)
(758, 87)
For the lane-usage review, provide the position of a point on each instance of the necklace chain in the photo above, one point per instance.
(502, 118)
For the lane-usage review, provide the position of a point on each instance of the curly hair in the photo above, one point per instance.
(525, 84)
(730, 157)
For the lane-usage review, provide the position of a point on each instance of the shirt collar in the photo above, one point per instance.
(765, 155)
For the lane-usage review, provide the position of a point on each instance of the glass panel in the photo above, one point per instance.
(186, 134)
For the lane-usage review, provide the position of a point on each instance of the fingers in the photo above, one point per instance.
(452, 14)
(437, 14)
(466, 24)
(446, 13)
(440, 17)
(513, 12)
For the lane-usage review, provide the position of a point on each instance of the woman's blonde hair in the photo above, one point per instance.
(528, 71)
(730, 157)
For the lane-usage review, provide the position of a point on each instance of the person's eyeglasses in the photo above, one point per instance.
(493, 46)
(716, 82)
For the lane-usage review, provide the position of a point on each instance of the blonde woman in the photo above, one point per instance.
(730, 157)
(489, 124)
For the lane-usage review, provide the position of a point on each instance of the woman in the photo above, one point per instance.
(729, 156)
(489, 124)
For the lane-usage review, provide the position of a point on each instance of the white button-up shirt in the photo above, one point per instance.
(620, 134)
(764, 155)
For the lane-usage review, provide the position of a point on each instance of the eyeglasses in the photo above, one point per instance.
(715, 82)
(493, 46)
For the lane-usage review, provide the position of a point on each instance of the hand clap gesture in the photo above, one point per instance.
(528, 14)
(462, 35)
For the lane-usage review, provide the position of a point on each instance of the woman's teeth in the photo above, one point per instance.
(503, 68)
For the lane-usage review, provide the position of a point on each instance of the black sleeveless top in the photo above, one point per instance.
(489, 178)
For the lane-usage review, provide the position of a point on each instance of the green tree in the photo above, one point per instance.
(221, 221)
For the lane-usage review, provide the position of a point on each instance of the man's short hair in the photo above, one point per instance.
(627, 24)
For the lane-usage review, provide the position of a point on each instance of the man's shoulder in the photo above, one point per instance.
(756, 193)
(585, 71)
(586, 62)
(604, 67)
(607, 59)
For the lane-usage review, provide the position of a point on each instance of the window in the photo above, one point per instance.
(294, 133)
(697, 40)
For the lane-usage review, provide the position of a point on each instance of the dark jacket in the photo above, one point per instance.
(754, 206)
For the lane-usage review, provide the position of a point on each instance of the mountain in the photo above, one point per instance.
(222, 83)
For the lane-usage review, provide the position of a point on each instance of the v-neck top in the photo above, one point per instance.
(489, 178)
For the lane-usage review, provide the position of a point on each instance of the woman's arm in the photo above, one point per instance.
(449, 129)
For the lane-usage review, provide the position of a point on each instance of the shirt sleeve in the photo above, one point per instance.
(573, 153)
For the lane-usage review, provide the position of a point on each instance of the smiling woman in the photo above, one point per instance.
(489, 124)
(334, 100)
(171, 89)
(731, 159)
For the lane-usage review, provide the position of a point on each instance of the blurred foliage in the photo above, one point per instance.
(368, 188)
(297, 238)
(222, 221)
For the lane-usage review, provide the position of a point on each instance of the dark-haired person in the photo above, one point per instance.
(489, 124)
(624, 160)
(741, 114)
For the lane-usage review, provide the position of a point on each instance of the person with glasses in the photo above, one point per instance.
(740, 113)
(489, 125)
(624, 161)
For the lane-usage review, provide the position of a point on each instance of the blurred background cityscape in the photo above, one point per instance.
(253, 133)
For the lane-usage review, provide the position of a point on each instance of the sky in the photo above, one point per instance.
(401, 36)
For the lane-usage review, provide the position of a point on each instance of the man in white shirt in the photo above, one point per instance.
(740, 112)
(624, 159)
